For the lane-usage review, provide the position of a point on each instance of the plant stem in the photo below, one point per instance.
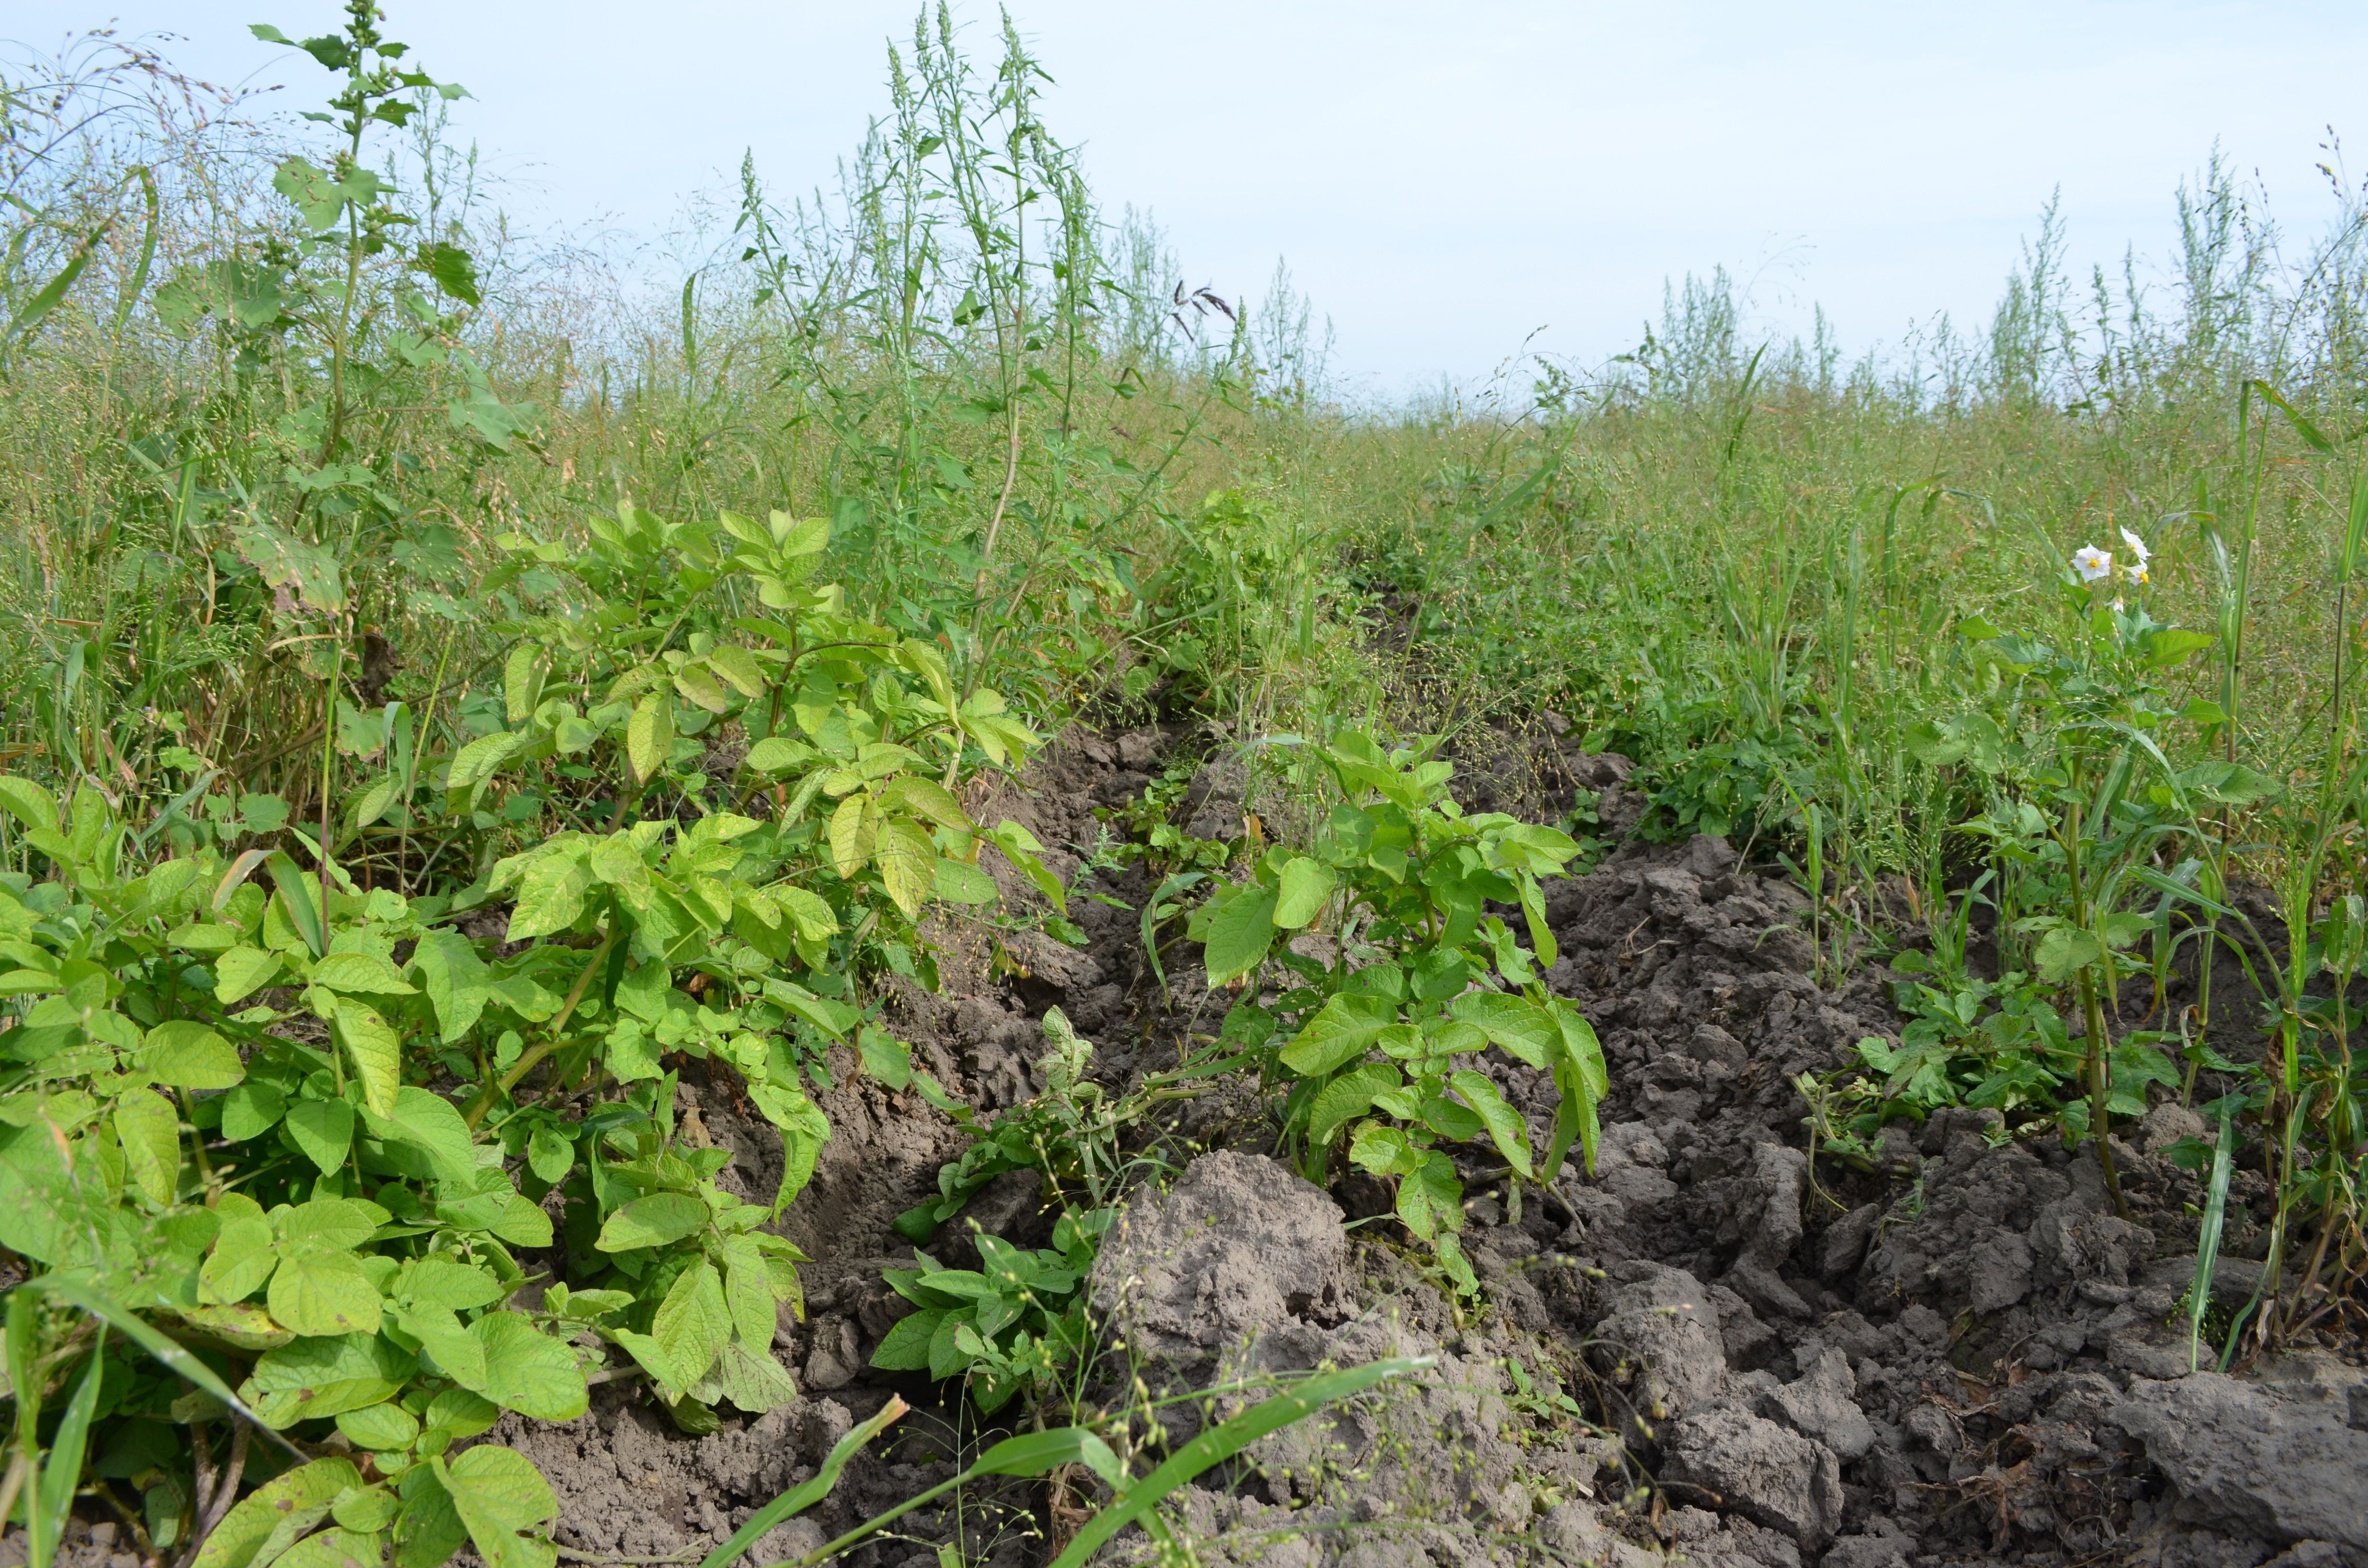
(495, 1089)
(2092, 1006)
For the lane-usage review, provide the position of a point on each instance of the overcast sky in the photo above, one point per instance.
(1442, 180)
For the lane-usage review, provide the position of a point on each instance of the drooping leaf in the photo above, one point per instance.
(905, 1347)
(1430, 1198)
(433, 1125)
(445, 1346)
(250, 1110)
(654, 1360)
(327, 1377)
(549, 1155)
(455, 979)
(361, 975)
(523, 1223)
(242, 971)
(522, 675)
(1382, 1150)
(477, 761)
(1506, 1128)
(338, 1224)
(965, 884)
(1582, 1079)
(698, 685)
(445, 1283)
(803, 1129)
(908, 864)
(550, 894)
(649, 736)
(337, 1547)
(748, 1291)
(885, 1057)
(848, 850)
(245, 1253)
(753, 1380)
(1525, 1030)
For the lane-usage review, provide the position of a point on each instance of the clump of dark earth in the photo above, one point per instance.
(1708, 1350)
(1962, 1357)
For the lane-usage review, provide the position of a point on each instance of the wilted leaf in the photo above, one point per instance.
(286, 562)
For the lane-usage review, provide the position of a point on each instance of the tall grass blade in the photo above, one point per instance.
(176, 1359)
(1222, 1442)
(2207, 1238)
(798, 1499)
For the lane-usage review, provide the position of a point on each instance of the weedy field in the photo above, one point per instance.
(916, 907)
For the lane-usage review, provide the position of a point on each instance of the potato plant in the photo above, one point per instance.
(305, 1129)
(1381, 1052)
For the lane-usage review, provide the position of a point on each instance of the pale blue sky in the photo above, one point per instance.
(1442, 180)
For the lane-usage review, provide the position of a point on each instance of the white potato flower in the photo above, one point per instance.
(2093, 564)
(2137, 567)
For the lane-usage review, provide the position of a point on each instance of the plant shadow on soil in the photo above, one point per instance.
(1962, 1356)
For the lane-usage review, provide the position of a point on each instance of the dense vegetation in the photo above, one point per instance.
(368, 580)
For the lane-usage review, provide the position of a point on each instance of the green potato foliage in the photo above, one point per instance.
(1377, 1059)
(303, 1128)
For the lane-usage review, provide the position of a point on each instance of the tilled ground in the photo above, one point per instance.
(1961, 1356)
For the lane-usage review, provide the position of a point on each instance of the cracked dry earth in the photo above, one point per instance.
(1961, 1358)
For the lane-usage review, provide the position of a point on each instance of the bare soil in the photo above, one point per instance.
(1962, 1356)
